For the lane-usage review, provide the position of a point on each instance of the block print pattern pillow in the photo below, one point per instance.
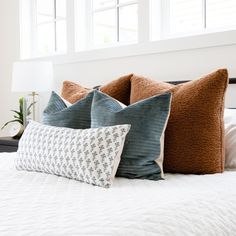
(89, 155)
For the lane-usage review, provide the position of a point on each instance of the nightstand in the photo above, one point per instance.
(8, 144)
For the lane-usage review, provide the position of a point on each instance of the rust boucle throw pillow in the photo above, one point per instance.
(73, 92)
(118, 89)
(194, 138)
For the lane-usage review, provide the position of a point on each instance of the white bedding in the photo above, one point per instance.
(41, 204)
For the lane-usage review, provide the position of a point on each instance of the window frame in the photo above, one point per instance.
(145, 45)
(165, 24)
(34, 28)
(116, 7)
(89, 25)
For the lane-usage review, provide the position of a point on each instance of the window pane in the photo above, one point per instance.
(45, 7)
(61, 8)
(45, 11)
(104, 24)
(44, 18)
(124, 1)
(185, 16)
(61, 36)
(103, 3)
(156, 20)
(45, 39)
(128, 23)
(221, 13)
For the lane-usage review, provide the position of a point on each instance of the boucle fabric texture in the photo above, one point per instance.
(76, 116)
(194, 138)
(73, 92)
(142, 157)
(118, 89)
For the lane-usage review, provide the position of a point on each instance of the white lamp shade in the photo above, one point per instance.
(32, 76)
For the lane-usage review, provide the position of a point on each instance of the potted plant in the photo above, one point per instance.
(19, 116)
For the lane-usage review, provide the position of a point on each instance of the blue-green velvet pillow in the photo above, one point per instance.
(76, 116)
(142, 155)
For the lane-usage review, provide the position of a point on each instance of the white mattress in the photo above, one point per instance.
(41, 204)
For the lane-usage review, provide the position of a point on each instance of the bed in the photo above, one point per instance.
(42, 204)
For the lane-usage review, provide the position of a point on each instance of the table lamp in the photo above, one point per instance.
(32, 77)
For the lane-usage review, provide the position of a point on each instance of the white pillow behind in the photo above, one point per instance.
(230, 138)
(88, 155)
(229, 116)
(68, 104)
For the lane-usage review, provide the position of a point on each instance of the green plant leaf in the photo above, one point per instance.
(21, 105)
(29, 107)
(19, 115)
(17, 112)
(12, 121)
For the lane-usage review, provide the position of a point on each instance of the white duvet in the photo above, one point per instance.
(40, 204)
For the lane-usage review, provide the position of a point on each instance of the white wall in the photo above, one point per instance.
(188, 64)
(9, 52)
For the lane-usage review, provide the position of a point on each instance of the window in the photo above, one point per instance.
(114, 21)
(43, 26)
(50, 30)
(185, 16)
(106, 22)
(220, 14)
(52, 27)
(188, 17)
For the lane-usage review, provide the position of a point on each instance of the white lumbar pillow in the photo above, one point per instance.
(230, 138)
(88, 155)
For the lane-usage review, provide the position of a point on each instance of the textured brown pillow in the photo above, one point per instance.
(73, 92)
(194, 138)
(118, 89)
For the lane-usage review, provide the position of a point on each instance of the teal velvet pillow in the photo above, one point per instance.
(76, 116)
(142, 155)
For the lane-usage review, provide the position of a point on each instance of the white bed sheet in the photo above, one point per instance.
(40, 204)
